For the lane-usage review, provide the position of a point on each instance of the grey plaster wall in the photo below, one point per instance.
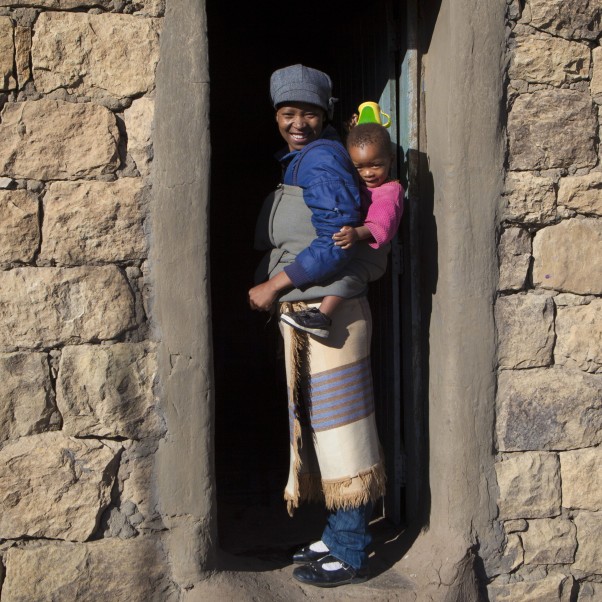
(181, 289)
(463, 130)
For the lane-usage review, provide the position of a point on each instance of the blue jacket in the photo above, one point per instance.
(329, 181)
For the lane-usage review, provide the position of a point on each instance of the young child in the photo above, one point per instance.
(369, 146)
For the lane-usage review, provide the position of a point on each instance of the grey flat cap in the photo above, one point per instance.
(302, 84)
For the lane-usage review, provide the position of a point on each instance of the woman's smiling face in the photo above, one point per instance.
(299, 123)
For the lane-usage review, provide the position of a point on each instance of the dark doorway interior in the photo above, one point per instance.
(248, 41)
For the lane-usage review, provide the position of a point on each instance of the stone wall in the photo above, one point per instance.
(79, 418)
(549, 309)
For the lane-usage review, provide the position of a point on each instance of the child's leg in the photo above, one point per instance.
(329, 304)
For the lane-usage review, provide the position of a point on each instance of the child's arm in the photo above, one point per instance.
(347, 236)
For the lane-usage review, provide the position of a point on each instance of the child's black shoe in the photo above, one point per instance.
(310, 320)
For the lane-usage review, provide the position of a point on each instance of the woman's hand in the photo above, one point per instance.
(346, 237)
(262, 296)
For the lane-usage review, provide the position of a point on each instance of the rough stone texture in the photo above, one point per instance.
(541, 58)
(581, 472)
(582, 193)
(596, 82)
(42, 307)
(550, 541)
(515, 525)
(19, 229)
(7, 50)
(55, 486)
(590, 592)
(57, 140)
(107, 391)
(579, 337)
(589, 535)
(60, 4)
(136, 484)
(138, 123)
(525, 326)
(94, 222)
(95, 54)
(552, 408)
(151, 8)
(120, 571)
(22, 53)
(530, 199)
(514, 252)
(26, 392)
(553, 588)
(568, 257)
(529, 485)
(552, 128)
(575, 19)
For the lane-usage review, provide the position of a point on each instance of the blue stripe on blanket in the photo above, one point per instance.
(341, 396)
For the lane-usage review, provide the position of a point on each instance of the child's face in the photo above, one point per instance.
(299, 123)
(372, 163)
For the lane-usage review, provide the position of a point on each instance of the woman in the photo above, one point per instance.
(335, 453)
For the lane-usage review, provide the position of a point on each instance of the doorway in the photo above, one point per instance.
(359, 49)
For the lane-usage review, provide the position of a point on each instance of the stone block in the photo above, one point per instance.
(581, 471)
(529, 486)
(107, 391)
(44, 307)
(95, 55)
(515, 525)
(551, 129)
(57, 140)
(7, 53)
(529, 199)
(582, 194)
(554, 588)
(514, 252)
(525, 325)
(138, 124)
(134, 570)
(136, 483)
(94, 222)
(568, 257)
(19, 227)
(548, 409)
(22, 53)
(545, 59)
(590, 592)
(570, 19)
(596, 83)
(589, 535)
(579, 337)
(55, 486)
(550, 541)
(60, 4)
(27, 398)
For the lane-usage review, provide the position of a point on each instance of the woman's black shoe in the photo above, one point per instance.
(314, 573)
(306, 554)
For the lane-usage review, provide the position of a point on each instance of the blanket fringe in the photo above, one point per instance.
(346, 494)
(299, 365)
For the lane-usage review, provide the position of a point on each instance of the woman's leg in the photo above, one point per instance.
(347, 535)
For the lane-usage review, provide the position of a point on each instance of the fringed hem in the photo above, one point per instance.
(348, 493)
(310, 490)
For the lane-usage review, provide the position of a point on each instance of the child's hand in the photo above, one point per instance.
(346, 237)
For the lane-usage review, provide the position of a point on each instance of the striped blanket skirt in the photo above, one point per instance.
(335, 453)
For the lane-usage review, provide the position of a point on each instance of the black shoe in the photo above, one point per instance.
(314, 573)
(310, 320)
(306, 555)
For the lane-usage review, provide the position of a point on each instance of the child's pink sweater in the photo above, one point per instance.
(383, 207)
